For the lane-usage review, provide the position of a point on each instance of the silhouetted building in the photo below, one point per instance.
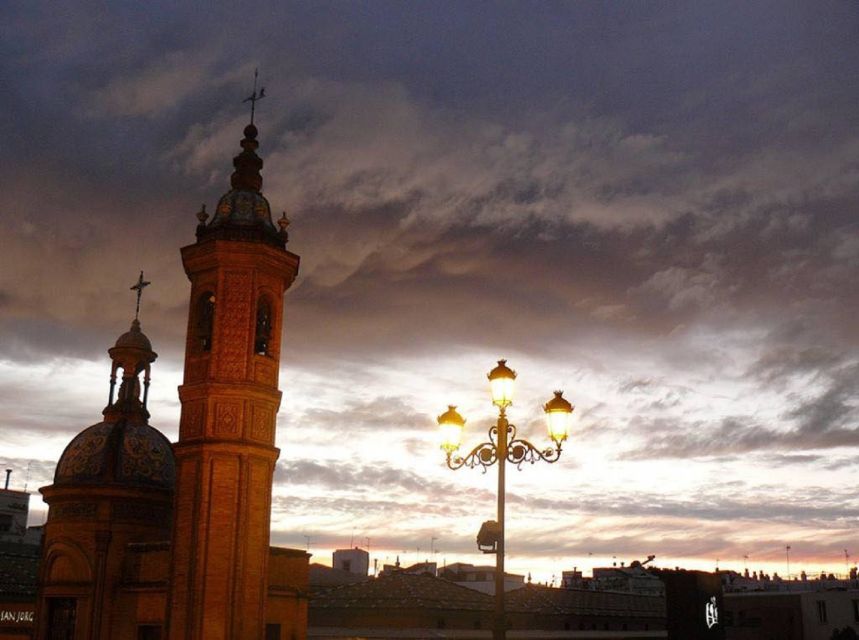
(401, 605)
(18, 567)
(634, 579)
(693, 604)
(733, 582)
(550, 609)
(809, 615)
(323, 577)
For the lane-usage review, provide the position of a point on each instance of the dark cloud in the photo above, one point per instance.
(659, 200)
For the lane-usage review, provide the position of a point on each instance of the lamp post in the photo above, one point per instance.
(503, 446)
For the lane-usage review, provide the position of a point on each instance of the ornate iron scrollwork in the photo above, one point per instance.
(519, 451)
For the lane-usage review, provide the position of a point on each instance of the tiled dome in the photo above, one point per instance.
(125, 452)
(243, 213)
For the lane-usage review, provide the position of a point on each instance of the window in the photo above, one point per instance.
(205, 319)
(346, 565)
(856, 610)
(5, 522)
(149, 632)
(821, 611)
(272, 631)
(263, 330)
(61, 615)
(441, 623)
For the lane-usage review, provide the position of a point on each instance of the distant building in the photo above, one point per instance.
(355, 561)
(323, 577)
(809, 615)
(480, 577)
(734, 582)
(633, 579)
(19, 565)
(693, 604)
(574, 580)
(610, 613)
(402, 605)
(14, 507)
(399, 601)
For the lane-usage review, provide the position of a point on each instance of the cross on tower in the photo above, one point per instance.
(139, 286)
(254, 96)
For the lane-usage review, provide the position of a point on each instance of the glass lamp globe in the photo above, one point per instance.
(559, 415)
(450, 427)
(501, 384)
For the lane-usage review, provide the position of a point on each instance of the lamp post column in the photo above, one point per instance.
(497, 450)
(500, 632)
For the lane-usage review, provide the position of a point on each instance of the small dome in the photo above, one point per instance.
(126, 452)
(243, 213)
(134, 338)
(243, 208)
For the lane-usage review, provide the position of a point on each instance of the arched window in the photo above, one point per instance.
(205, 319)
(263, 328)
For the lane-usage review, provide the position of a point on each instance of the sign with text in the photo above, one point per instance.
(24, 617)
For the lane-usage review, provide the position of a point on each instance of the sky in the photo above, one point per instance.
(651, 206)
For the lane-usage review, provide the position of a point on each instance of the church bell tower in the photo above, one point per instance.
(239, 269)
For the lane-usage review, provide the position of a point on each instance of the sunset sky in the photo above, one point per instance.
(652, 206)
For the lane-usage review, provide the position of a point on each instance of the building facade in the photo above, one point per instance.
(355, 561)
(404, 605)
(147, 540)
(808, 615)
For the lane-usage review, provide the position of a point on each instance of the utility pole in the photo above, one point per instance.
(787, 555)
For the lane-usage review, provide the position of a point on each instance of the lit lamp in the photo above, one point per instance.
(450, 425)
(502, 447)
(501, 384)
(559, 414)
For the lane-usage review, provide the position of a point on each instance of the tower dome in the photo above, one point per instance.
(134, 338)
(122, 449)
(243, 213)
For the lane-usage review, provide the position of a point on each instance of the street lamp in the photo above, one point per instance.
(504, 446)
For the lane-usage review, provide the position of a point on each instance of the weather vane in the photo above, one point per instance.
(255, 96)
(139, 287)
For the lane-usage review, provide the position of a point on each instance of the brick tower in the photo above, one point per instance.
(239, 270)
